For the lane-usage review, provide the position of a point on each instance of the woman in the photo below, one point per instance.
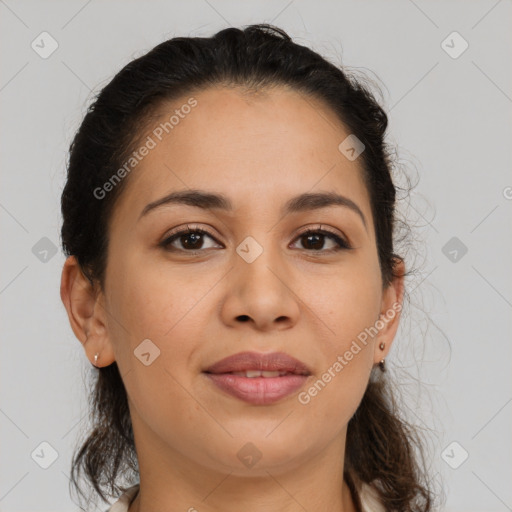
(228, 219)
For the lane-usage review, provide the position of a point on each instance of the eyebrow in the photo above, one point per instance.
(308, 201)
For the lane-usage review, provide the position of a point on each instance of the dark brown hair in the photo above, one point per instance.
(382, 450)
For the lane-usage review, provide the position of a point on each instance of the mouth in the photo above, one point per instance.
(258, 379)
(251, 374)
(269, 365)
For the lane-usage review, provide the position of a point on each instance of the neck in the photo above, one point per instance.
(310, 485)
(350, 503)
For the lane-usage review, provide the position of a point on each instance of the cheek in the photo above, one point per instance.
(155, 309)
(143, 309)
(349, 304)
(346, 348)
(346, 311)
(147, 302)
(166, 309)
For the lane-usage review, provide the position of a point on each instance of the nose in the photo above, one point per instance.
(260, 293)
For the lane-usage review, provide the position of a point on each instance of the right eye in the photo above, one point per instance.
(189, 238)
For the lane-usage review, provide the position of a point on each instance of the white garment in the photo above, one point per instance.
(368, 497)
(370, 500)
(123, 502)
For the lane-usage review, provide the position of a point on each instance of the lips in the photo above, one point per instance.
(258, 379)
(257, 362)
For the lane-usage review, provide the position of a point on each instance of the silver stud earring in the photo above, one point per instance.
(96, 358)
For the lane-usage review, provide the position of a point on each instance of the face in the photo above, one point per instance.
(253, 282)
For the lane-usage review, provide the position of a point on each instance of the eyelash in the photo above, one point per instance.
(342, 244)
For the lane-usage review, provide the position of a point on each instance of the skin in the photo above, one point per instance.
(259, 150)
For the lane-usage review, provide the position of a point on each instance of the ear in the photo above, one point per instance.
(391, 308)
(87, 315)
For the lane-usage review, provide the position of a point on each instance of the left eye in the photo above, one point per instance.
(316, 237)
(193, 239)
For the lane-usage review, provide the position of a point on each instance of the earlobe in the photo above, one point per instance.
(86, 315)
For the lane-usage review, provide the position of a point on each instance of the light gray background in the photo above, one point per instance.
(451, 120)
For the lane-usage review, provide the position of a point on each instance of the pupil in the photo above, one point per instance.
(193, 236)
(318, 245)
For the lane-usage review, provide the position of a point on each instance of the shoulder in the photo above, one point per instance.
(370, 499)
(123, 502)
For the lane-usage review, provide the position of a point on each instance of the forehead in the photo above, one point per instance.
(258, 149)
